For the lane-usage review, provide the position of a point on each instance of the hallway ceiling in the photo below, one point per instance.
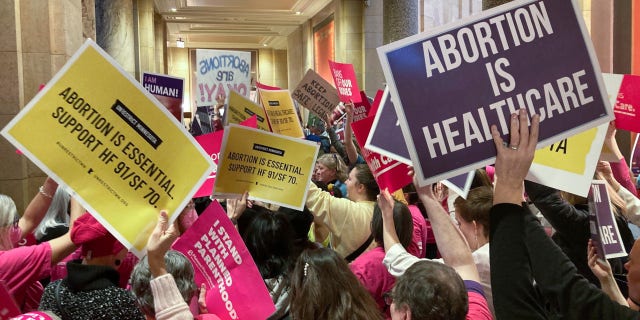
(238, 24)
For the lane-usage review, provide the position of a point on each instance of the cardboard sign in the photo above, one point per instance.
(451, 83)
(8, 306)
(386, 135)
(317, 95)
(220, 259)
(389, 173)
(281, 113)
(273, 168)
(220, 71)
(117, 148)
(211, 144)
(168, 90)
(240, 109)
(570, 163)
(603, 226)
(346, 82)
(624, 91)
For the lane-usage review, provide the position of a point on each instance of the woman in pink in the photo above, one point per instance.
(368, 267)
(22, 267)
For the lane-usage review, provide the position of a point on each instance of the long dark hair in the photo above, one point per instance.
(323, 287)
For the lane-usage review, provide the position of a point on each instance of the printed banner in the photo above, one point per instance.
(168, 90)
(624, 94)
(220, 259)
(386, 135)
(220, 71)
(317, 95)
(8, 306)
(569, 164)
(451, 83)
(240, 109)
(389, 173)
(344, 77)
(121, 151)
(211, 144)
(272, 168)
(361, 109)
(281, 113)
(603, 226)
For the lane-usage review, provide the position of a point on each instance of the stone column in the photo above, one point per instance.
(373, 76)
(115, 31)
(146, 30)
(36, 39)
(401, 18)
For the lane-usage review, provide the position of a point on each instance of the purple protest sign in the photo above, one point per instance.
(450, 84)
(460, 184)
(604, 230)
(168, 90)
(386, 135)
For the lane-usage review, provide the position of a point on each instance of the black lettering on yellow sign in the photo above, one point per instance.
(561, 146)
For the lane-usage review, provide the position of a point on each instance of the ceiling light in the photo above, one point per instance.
(173, 10)
(264, 44)
(180, 43)
(298, 13)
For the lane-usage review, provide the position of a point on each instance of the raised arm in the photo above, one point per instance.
(619, 169)
(349, 146)
(38, 207)
(451, 243)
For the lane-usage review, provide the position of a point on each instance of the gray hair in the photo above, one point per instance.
(57, 214)
(8, 216)
(177, 265)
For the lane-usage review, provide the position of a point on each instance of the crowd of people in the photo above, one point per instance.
(354, 252)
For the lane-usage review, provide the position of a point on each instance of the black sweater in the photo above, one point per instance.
(520, 253)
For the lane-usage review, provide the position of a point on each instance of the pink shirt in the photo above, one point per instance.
(418, 245)
(369, 269)
(21, 268)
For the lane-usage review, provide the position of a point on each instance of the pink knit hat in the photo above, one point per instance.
(94, 237)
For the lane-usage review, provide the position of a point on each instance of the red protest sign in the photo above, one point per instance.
(627, 104)
(346, 82)
(388, 173)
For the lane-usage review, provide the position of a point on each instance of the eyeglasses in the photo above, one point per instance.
(388, 297)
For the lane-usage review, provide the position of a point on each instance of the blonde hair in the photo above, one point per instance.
(334, 162)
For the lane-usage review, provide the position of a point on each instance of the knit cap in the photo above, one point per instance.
(93, 237)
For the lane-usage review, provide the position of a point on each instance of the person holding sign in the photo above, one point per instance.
(521, 251)
(345, 217)
(570, 219)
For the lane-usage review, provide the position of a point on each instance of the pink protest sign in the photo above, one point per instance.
(211, 143)
(627, 104)
(8, 307)
(235, 289)
(266, 87)
(346, 82)
(361, 109)
(388, 172)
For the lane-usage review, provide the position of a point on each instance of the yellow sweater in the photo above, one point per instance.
(348, 221)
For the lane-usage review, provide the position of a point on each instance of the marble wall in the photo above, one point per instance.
(115, 31)
(36, 39)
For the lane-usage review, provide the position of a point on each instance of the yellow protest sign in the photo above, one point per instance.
(273, 168)
(281, 113)
(240, 109)
(569, 164)
(96, 129)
